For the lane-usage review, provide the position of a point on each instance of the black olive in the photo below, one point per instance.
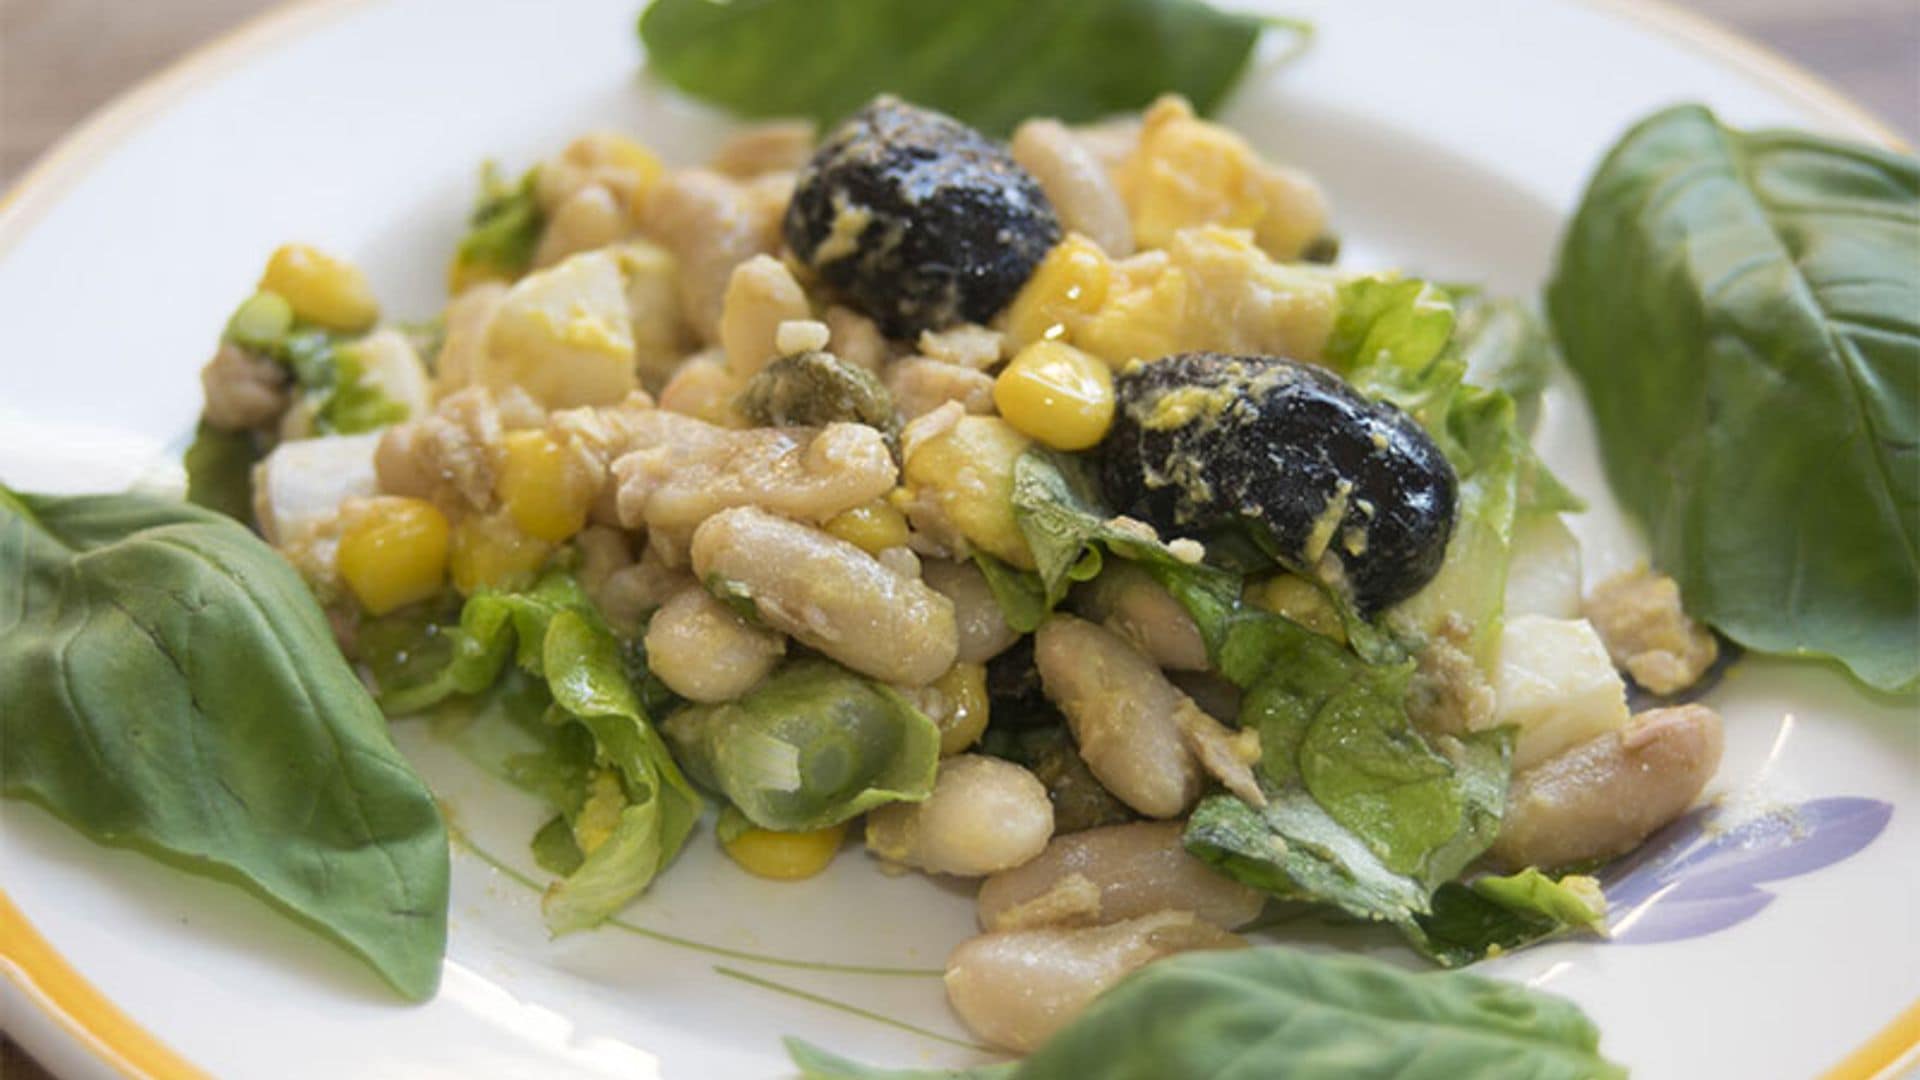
(920, 220)
(1204, 442)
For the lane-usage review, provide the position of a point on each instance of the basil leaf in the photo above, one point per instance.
(1058, 510)
(220, 471)
(1743, 311)
(812, 746)
(1281, 1012)
(1496, 915)
(1363, 812)
(172, 687)
(989, 63)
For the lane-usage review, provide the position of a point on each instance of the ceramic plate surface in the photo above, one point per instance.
(1774, 934)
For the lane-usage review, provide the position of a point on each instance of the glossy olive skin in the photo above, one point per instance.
(919, 220)
(1205, 441)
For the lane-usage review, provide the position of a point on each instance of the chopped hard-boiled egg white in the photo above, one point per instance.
(564, 335)
(1556, 685)
(303, 482)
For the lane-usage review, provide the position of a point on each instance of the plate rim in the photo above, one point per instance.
(48, 983)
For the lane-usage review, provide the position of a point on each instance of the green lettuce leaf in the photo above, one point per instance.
(1285, 1013)
(1495, 915)
(554, 848)
(1060, 514)
(990, 63)
(171, 686)
(553, 633)
(812, 746)
(1330, 721)
(1400, 340)
(1743, 312)
(1504, 346)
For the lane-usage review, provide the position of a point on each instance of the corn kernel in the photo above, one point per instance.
(321, 288)
(393, 552)
(1294, 597)
(966, 473)
(784, 856)
(1056, 394)
(957, 704)
(546, 490)
(1068, 285)
(873, 528)
(489, 552)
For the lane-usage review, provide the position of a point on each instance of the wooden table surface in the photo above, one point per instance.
(61, 59)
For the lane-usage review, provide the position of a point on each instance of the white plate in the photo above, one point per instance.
(1453, 138)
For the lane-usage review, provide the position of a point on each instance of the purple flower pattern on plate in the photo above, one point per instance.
(1691, 879)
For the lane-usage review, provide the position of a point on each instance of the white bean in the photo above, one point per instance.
(1139, 868)
(761, 294)
(1129, 602)
(592, 217)
(919, 385)
(1606, 795)
(704, 651)
(680, 470)
(985, 815)
(763, 148)
(1076, 183)
(1015, 988)
(711, 223)
(984, 633)
(830, 595)
(1123, 714)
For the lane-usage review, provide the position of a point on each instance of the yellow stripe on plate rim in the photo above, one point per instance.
(65, 996)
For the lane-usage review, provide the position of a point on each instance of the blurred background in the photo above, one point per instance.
(61, 59)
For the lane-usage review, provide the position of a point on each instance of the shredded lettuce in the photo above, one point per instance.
(554, 635)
